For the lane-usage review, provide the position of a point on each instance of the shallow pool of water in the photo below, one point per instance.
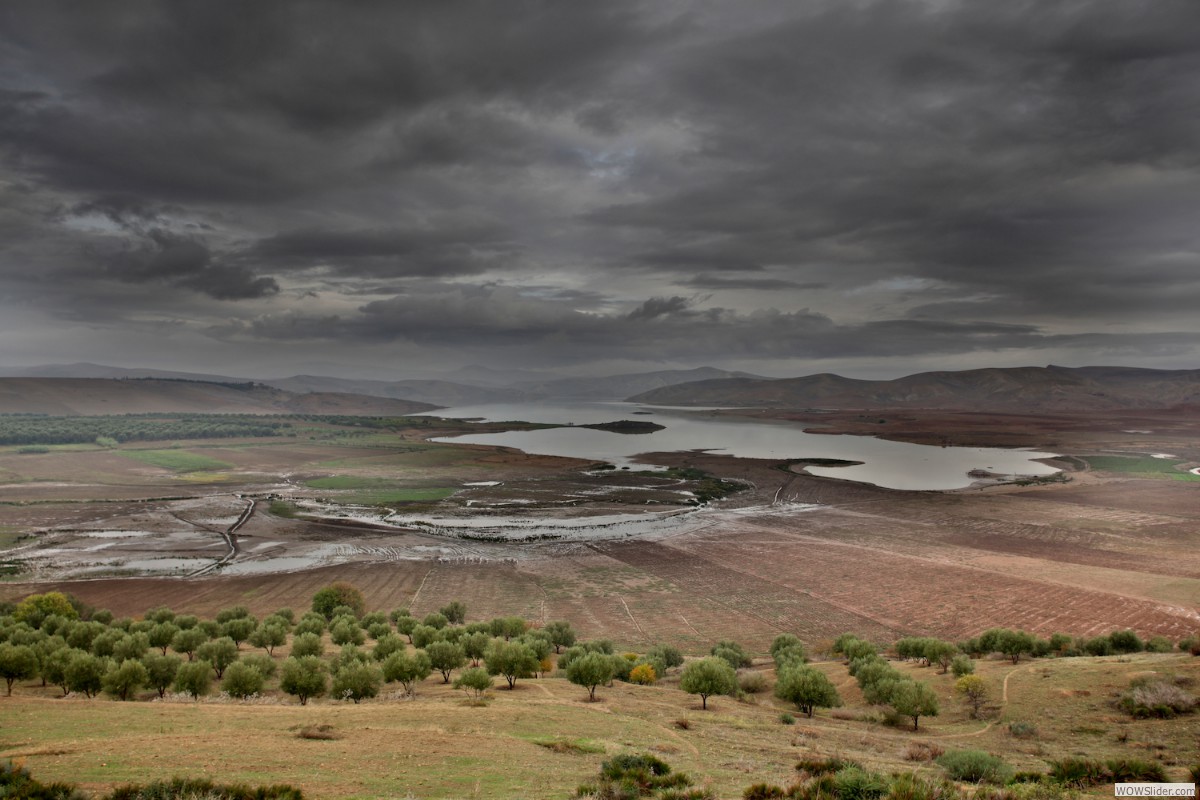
(896, 465)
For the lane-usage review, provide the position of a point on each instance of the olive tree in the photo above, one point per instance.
(124, 679)
(336, 594)
(242, 680)
(445, 658)
(357, 681)
(194, 678)
(17, 662)
(219, 653)
(974, 690)
(912, 699)
(807, 687)
(407, 668)
(511, 659)
(474, 680)
(590, 671)
(304, 677)
(160, 671)
(268, 637)
(708, 676)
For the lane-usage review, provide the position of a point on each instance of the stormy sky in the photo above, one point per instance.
(399, 188)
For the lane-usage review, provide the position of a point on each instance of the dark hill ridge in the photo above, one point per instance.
(1013, 390)
(89, 396)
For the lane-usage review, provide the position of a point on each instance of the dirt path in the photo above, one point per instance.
(230, 536)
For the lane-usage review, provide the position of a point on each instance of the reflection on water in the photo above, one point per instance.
(896, 465)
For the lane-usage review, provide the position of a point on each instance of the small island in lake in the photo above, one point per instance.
(626, 426)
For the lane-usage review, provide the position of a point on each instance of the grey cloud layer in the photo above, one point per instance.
(837, 180)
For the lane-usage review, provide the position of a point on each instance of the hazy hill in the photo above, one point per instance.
(618, 387)
(441, 393)
(1021, 389)
(87, 396)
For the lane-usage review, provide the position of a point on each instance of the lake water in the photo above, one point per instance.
(896, 465)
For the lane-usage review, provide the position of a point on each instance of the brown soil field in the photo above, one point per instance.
(795, 553)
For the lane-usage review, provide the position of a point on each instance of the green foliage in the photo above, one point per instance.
(308, 644)
(824, 766)
(108, 431)
(1156, 696)
(267, 636)
(474, 680)
(202, 789)
(511, 659)
(357, 681)
(628, 777)
(590, 671)
(786, 648)
(974, 690)
(445, 658)
(807, 687)
(787, 719)
(242, 680)
(913, 699)
(962, 665)
(219, 653)
(346, 631)
(386, 645)
(123, 680)
(733, 653)
(707, 677)
(305, 677)
(665, 653)
(187, 641)
(160, 671)
(975, 766)
(1021, 729)
(855, 783)
(17, 662)
(339, 593)
(561, 634)
(311, 623)
(85, 673)
(36, 607)
(194, 678)
(407, 668)
(17, 784)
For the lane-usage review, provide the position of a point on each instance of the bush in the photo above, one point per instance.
(975, 766)
(1023, 730)
(787, 719)
(962, 666)
(242, 680)
(201, 789)
(194, 678)
(336, 594)
(17, 783)
(1158, 697)
(752, 682)
(357, 682)
(824, 766)
(475, 679)
(855, 783)
(1078, 773)
(763, 791)
(304, 677)
(923, 751)
(1124, 770)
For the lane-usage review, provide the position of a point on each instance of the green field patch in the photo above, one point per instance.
(379, 491)
(1141, 465)
(177, 460)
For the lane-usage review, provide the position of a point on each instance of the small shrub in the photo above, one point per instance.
(855, 783)
(201, 789)
(752, 683)
(1078, 773)
(825, 766)
(974, 766)
(1157, 697)
(682, 724)
(787, 719)
(1023, 730)
(923, 751)
(1124, 770)
(763, 791)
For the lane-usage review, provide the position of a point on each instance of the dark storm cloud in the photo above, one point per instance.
(940, 177)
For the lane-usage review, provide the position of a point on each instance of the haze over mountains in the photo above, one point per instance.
(96, 389)
(1014, 390)
(470, 386)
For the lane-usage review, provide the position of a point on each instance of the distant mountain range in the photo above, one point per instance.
(1016, 390)
(89, 396)
(472, 385)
